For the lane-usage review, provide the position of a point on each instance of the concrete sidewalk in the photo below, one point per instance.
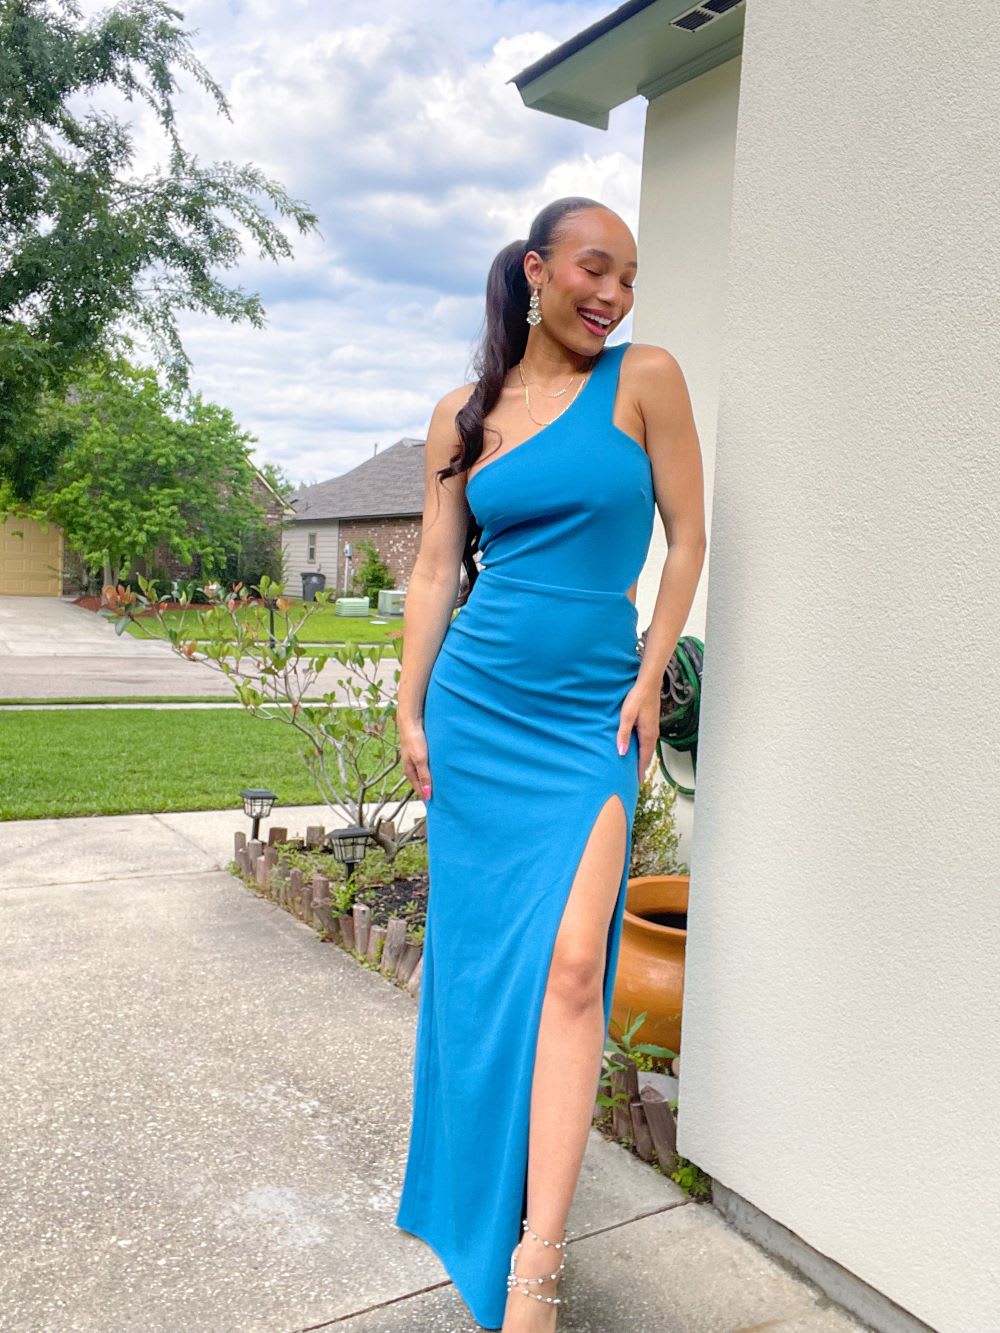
(205, 1118)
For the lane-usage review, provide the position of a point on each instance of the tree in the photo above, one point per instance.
(143, 468)
(258, 552)
(85, 248)
(278, 479)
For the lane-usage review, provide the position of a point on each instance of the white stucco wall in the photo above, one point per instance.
(841, 1021)
(294, 542)
(682, 239)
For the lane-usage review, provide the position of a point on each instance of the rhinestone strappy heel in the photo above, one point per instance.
(513, 1279)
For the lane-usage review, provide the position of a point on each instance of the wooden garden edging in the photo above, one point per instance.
(645, 1119)
(386, 947)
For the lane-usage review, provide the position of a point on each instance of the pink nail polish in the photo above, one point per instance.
(622, 748)
(427, 791)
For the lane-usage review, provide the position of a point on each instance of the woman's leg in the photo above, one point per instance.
(567, 1063)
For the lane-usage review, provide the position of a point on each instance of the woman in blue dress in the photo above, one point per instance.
(526, 723)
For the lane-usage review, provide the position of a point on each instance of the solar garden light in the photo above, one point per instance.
(349, 845)
(257, 802)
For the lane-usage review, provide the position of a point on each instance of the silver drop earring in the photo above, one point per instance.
(534, 313)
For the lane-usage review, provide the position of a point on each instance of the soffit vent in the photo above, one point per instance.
(693, 20)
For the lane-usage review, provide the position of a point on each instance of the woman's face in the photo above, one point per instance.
(589, 276)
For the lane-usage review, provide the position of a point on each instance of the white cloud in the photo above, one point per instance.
(421, 162)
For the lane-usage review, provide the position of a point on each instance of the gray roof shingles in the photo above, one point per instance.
(389, 484)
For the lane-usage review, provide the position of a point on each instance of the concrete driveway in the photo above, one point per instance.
(205, 1117)
(50, 648)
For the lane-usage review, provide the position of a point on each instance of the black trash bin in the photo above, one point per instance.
(312, 583)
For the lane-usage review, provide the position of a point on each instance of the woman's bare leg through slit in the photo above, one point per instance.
(568, 1060)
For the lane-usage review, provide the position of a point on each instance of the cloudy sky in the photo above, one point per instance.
(395, 124)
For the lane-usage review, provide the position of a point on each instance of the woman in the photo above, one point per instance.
(526, 723)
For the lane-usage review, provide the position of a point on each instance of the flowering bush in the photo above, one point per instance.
(349, 736)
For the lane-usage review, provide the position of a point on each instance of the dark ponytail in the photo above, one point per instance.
(502, 345)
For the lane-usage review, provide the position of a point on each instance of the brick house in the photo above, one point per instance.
(381, 499)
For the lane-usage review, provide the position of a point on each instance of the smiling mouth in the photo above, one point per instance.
(596, 323)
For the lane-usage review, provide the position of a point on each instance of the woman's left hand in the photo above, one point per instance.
(641, 711)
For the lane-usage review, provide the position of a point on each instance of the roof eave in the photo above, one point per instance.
(632, 52)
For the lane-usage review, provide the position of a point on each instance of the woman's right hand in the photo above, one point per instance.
(413, 751)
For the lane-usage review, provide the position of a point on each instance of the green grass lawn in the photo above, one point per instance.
(62, 700)
(322, 626)
(57, 762)
(58, 701)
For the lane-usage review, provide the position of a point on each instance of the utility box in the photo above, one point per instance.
(312, 583)
(390, 601)
(352, 606)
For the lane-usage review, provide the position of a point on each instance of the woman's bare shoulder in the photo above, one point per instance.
(442, 433)
(455, 399)
(649, 357)
(652, 373)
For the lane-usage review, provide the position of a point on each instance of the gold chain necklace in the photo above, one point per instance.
(583, 381)
(520, 371)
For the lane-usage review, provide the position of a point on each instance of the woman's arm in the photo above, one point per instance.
(434, 583)
(679, 486)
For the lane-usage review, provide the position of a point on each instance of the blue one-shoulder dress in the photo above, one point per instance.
(521, 714)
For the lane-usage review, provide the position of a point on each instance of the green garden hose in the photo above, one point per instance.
(680, 706)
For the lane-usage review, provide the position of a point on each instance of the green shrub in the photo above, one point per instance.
(376, 869)
(372, 573)
(654, 832)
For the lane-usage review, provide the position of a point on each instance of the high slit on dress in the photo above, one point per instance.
(521, 716)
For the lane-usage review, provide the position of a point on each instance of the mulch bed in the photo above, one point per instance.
(388, 900)
(385, 900)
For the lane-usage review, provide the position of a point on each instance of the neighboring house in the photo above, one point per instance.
(819, 238)
(32, 556)
(381, 499)
(35, 560)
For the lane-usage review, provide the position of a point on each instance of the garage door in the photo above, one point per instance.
(32, 561)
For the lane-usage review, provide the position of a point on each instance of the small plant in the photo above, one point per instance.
(655, 838)
(373, 964)
(310, 860)
(372, 574)
(342, 896)
(692, 1179)
(624, 1045)
(190, 589)
(377, 870)
(647, 1063)
(623, 1048)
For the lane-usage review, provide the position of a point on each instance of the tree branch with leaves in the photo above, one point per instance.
(88, 250)
(349, 734)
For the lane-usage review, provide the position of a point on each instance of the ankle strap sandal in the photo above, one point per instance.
(513, 1280)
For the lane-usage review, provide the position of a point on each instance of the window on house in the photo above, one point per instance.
(311, 547)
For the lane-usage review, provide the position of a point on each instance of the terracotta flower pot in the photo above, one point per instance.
(650, 972)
